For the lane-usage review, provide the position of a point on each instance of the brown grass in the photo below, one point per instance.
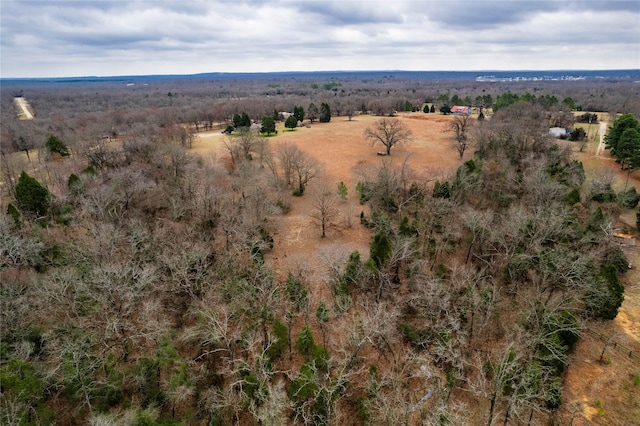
(341, 149)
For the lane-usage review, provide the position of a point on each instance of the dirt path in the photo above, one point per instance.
(23, 105)
(601, 145)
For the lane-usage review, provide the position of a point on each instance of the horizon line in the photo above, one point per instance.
(635, 70)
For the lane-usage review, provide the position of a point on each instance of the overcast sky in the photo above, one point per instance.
(121, 37)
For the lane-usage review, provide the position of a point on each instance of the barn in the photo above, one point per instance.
(461, 110)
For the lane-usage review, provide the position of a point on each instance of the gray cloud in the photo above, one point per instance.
(59, 38)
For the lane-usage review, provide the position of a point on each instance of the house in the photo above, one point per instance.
(461, 110)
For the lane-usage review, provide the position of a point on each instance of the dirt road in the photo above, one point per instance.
(601, 146)
(23, 105)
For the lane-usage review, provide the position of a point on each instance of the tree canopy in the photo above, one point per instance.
(241, 120)
(628, 150)
(388, 132)
(612, 138)
(445, 109)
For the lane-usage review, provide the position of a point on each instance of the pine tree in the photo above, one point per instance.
(55, 144)
(325, 113)
(31, 195)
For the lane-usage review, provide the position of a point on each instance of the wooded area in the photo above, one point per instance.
(138, 284)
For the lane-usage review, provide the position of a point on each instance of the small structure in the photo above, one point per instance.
(557, 132)
(461, 110)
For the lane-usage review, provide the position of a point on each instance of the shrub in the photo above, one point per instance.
(417, 338)
(297, 293)
(364, 190)
(55, 144)
(606, 294)
(613, 255)
(605, 195)
(305, 342)
(14, 213)
(342, 191)
(380, 251)
(553, 396)
(578, 134)
(584, 118)
(321, 358)
(281, 342)
(74, 184)
(572, 197)
(32, 196)
(441, 190)
(629, 199)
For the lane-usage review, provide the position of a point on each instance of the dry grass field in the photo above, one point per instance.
(343, 152)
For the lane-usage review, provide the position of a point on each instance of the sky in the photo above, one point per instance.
(126, 37)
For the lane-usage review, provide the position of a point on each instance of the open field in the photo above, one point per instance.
(343, 153)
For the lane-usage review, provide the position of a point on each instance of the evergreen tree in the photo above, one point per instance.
(380, 251)
(241, 120)
(31, 195)
(432, 109)
(445, 109)
(628, 150)
(268, 126)
(342, 191)
(325, 113)
(55, 144)
(298, 113)
(291, 122)
(612, 138)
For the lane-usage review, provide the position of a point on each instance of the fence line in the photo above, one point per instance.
(614, 344)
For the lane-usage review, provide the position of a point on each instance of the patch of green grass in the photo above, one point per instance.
(636, 380)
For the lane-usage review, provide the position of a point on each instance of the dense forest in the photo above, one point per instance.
(136, 282)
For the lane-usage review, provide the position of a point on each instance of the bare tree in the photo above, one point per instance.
(460, 125)
(388, 132)
(325, 209)
(303, 166)
(241, 146)
(286, 154)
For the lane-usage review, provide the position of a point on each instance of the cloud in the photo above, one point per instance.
(53, 38)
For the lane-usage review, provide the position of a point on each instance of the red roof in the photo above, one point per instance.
(460, 109)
